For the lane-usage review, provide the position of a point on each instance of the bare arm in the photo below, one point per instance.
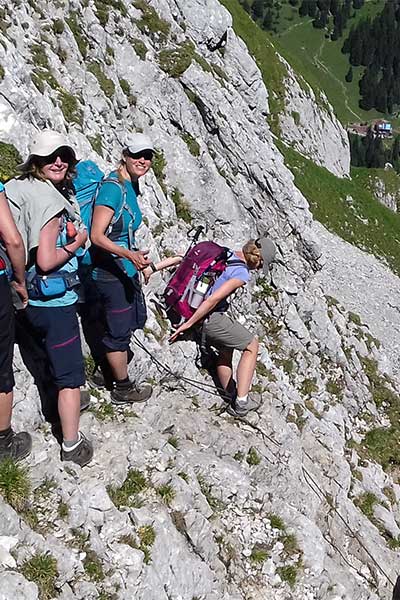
(162, 264)
(206, 307)
(12, 240)
(48, 256)
(102, 216)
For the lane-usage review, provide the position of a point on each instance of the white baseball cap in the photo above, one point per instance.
(45, 143)
(138, 142)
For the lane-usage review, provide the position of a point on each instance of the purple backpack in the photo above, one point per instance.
(197, 272)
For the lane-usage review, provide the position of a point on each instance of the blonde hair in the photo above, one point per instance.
(252, 254)
(120, 166)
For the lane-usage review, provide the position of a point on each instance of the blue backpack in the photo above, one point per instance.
(87, 183)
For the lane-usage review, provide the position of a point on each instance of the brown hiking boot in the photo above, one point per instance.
(131, 393)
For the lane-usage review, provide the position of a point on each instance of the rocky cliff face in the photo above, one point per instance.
(309, 123)
(181, 501)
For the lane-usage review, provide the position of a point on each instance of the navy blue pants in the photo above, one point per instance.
(56, 331)
(125, 311)
(6, 337)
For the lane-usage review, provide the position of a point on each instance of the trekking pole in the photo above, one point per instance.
(195, 236)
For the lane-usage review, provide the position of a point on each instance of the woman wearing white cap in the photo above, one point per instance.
(48, 218)
(116, 262)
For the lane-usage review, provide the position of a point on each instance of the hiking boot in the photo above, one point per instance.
(131, 393)
(85, 400)
(241, 411)
(96, 380)
(81, 455)
(15, 445)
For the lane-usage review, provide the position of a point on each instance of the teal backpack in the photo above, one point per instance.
(87, 183)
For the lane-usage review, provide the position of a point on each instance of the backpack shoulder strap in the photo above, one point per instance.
(122, 188)
(235, 261)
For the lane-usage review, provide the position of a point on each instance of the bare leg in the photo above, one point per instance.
(119, 364)
(224, 369)
(246, 367)
(69, 411)
(6, 401)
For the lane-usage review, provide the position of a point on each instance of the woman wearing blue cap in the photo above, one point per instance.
(116, 263)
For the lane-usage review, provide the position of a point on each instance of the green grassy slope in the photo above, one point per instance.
(316, 57)
(320, 61)
(346, 207)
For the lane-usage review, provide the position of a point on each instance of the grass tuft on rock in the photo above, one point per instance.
(105, 83)
(15, 486)
(150, 22)
(158, 165)
(93, 566)
(42, 570)
(259, 553)
(175, 61)
(127, 494)
(253, 458)
(288, 573)
(182, 206)
(166, 493)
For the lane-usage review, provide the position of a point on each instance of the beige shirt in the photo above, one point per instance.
(34, 203)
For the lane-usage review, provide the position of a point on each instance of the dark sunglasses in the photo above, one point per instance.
(146, 154)
(64, 154)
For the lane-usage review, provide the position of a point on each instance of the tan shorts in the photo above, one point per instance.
(222, 331)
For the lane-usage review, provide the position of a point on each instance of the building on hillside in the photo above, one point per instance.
(383, 128)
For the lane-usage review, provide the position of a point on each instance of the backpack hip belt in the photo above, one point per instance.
(54, 285)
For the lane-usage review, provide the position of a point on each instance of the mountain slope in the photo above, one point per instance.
(182, 501)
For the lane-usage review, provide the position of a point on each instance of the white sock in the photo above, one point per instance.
(241, 400)
(69, 448)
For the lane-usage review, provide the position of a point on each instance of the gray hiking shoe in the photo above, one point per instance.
(131, 393)
(15, 445)
(85, 400)
(96, 380)
(241, 411)
(81, 455)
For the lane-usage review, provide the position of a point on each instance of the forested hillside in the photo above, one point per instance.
(376, 46)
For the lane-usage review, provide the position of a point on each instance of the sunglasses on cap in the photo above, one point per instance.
(146, 154)
(64, 154)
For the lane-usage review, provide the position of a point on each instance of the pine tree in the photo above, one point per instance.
(257, 9)
(395, 153)
(245, 5)
(349, 75)
(321, 21)
(312, 8)
(303, 9)
(268, 20)
(356, 48)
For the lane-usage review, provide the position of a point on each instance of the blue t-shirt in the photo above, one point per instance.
(232, 271)
(70, 296)
(122, 232)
